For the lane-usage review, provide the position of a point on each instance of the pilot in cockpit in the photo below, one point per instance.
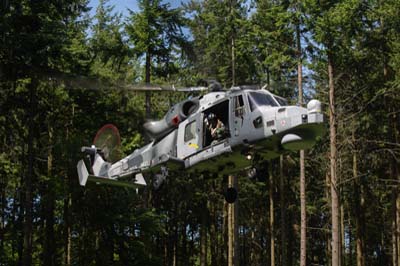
(216, 127)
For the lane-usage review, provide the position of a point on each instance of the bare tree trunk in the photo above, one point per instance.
(233, 61)
(333, 166)
(49, 247)
(2, 215)
(67, 208)
(350, 237)
(67, 231)
(359, 207)
(271, 215)
(174, 246)
(233, 44)
(252, 240)
(342, 237)
(398, 225)
(203, 237)
(213, 234)
(231, 237)
(225, 233)
(394, 239)
(147, 81)
(235, 225)
(328, 236)
(396, 176)
(233, 179)
(165, 248)
(283, 212)
(184, 253)
(303, 214)
(28, 204)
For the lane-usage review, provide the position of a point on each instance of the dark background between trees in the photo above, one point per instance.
(349, 52)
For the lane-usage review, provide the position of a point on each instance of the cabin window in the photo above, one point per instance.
(239, 106)
(190, 131)
(260, 99)
(281, 101)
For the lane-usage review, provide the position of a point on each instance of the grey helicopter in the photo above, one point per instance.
(220, 133)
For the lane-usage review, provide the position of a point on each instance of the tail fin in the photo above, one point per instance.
(82, 172)
(99, 167)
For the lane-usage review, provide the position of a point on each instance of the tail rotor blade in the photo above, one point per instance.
(109, 142)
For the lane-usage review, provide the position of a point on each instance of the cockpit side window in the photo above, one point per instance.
(190, 131)
(281, 101)
(239, 106)
(260, 99)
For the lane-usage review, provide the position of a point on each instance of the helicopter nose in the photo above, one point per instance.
(314, 106)
(314, 111)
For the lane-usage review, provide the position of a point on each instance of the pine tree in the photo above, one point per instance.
(155, 32)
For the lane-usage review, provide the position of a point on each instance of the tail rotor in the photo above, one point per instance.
(108, 141)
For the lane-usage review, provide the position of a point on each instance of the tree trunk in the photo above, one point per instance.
(230, 227)
(18, 213)
(235, 225)
(49, 242)
(185, 260)
(28, 204)
(333, 167)
(252, 240)
(283, 212)
(396, 176)
(328, 203)
(67, 205)
(203, 236)
(225, 233)
(165, 249)
(350, 237)
(398, 225)
(394, 237)
(213, 234)
(342, 236)
(67, 230)
(359, 207)
(147, 81)
(271, 215)
(303, 214)
(233, 44)
(2, 215)
(175, 244)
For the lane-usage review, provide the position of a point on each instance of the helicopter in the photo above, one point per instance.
(254, 125)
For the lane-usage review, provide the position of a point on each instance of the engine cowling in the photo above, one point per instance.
(178, 113)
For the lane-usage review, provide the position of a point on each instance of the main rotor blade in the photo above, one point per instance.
(149, 87)
(92, 83)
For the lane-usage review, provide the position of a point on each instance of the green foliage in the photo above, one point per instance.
(156, 33)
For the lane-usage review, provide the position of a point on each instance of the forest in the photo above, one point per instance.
(67, 70)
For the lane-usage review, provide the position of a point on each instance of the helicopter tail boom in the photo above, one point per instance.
(100, 175)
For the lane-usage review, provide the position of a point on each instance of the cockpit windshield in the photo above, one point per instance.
(260, 99)
(281, 101)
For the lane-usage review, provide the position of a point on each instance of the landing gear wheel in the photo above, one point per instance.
(160, 178)
(252, 173)
(230, 195)
(158, 181)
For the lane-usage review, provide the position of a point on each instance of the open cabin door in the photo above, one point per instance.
(190, 136)
(237, 115)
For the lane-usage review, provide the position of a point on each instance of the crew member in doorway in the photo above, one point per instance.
(216, 127)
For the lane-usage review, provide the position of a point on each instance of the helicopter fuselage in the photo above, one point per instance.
(258, 126)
